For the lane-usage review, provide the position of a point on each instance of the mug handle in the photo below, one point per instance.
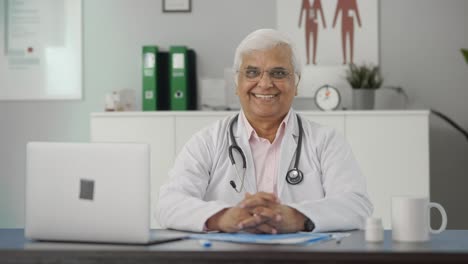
(444, 218)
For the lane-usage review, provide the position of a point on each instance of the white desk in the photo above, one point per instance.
(392, 147)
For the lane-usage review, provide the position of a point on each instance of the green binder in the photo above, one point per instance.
(150, 77)
(179, 94)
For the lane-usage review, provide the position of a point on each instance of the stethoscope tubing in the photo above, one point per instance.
(293, 180)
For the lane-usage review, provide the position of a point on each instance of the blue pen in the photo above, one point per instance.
(204, 243)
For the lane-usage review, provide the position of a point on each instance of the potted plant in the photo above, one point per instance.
(364, 79)
(465, 54)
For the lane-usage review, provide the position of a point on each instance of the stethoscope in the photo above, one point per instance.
(293, 176)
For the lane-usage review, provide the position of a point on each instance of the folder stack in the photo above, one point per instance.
(169, 79)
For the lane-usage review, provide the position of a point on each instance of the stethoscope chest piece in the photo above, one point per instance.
(294, 176)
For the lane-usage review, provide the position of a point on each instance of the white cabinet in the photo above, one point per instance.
(392, 147)
(156, 131)
(186, 126)
(393, 151)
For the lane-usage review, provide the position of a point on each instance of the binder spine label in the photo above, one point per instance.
(178, 82)
(150, 70)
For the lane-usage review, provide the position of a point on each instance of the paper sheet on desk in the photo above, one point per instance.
(280, 239)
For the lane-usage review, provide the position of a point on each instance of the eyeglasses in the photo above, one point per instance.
(275, 74)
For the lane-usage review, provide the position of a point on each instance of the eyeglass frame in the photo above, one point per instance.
(262, 72)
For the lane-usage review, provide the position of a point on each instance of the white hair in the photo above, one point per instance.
(264, 39)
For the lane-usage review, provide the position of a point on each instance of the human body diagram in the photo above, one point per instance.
(309, 13)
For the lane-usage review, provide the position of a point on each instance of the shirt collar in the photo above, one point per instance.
(250, 131)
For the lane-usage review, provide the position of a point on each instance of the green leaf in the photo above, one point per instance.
(364, 76)
(465, 53)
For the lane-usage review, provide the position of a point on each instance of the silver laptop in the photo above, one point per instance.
(90, 192)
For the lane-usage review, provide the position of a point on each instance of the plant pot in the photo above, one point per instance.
(363, 99)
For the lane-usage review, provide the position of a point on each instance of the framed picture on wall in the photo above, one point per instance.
(332, 32)
(177, 6)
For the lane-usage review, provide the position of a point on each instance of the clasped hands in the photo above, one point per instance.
(260, 213)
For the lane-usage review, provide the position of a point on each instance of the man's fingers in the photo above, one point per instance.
(252, 231)
(259, 199)
(250, 222)
(267, 229)
(268, 214)
(267, 196)
(258, 228)
(264, 215)
(262, 229)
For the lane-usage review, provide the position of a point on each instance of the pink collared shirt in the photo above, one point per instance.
(266, 155)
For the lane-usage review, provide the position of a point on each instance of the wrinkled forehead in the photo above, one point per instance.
(276, 56)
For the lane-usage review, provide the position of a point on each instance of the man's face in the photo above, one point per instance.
(266, 83)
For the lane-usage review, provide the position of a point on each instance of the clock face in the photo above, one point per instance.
(327, 98)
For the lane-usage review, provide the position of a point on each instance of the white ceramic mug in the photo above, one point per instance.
(411, 218)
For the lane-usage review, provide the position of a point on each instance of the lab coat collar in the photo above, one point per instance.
(292, 127)
(288, 150)
(250, 181)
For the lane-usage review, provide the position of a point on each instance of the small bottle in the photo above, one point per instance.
(374, 229)
(109, 105)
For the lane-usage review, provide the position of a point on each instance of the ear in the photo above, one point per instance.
(298, 80)
(236, 82)
(297, 83)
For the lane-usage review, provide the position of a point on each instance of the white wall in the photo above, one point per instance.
(114, 31)
(420, 42)
(420, 50)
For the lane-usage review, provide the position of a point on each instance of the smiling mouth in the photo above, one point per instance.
(265, 96)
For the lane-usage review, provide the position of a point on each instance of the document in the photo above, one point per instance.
(280, 239)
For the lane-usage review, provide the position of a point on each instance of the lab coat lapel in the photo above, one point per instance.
(250, 184)
(287, 151)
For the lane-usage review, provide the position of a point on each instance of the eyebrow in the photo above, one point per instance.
(278, 68)
(274, 68)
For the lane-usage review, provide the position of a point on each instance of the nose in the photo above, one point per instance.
(265, 80)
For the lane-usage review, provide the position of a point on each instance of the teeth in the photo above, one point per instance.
(265, 96)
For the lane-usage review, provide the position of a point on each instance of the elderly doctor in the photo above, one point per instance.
(265, 169)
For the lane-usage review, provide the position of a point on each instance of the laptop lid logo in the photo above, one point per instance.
(86, 189)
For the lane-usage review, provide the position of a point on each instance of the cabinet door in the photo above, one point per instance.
(156, 131)
(335, 121)
(187, 126)
(393, 152)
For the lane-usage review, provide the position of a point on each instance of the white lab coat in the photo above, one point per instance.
(333, 193)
